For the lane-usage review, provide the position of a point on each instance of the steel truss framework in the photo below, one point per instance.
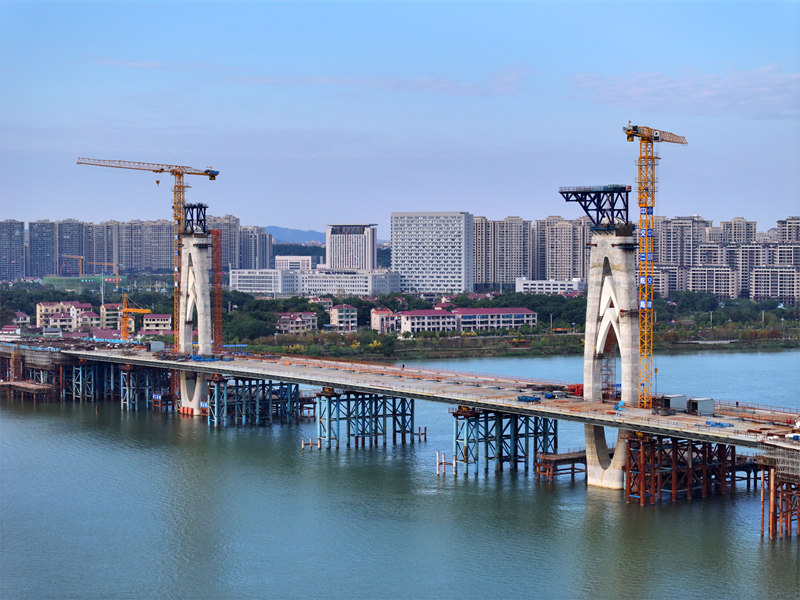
(657, 466)
(780, 504)
(504, 438)
(366, 417)
(83, 383)
(137, 386)
(606, 206)
(251, 402)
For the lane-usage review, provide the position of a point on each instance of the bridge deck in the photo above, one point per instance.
(486, 392)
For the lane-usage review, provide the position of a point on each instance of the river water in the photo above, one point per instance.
(96, 503)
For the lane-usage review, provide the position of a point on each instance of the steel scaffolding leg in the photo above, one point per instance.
(218, 402)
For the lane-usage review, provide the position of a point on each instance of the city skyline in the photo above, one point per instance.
(352, 111)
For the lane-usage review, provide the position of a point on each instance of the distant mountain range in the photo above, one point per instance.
(295, 236)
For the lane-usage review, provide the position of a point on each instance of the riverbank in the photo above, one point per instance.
(507, 346)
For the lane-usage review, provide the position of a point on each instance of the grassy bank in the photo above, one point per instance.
(394, 349)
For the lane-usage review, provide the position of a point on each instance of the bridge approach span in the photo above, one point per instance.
(485, 392)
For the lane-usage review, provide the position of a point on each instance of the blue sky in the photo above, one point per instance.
(319, 113)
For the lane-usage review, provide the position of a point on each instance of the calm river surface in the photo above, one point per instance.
(95, 503)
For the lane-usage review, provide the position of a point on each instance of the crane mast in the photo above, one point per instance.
(648, 158)
(178, 202)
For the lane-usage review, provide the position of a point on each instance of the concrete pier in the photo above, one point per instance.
(195, 300)
(611, 324)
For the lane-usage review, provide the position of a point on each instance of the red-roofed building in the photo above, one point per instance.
(21, 319)
(479, 319)
(109, 315)
(414, 321)
(296, 322)
(89, 318)
(382, 320)
(344, 317)
(61, 320)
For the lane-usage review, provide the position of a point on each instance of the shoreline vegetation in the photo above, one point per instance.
(391, 349)
(686, 322)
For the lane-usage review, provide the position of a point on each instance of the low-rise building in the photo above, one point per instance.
(296, 322)
(155, 324)
(549, 286)
(344, 317)
(483, 319)
(382, 320)
(61, 320)
(21, 319)
(109, 315)
(414, 321)
(88, 319)
(44, 310)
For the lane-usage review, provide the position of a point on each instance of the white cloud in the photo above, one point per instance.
(765, 92)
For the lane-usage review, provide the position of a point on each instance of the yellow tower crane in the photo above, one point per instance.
(179, 194)
(647, 200)
(125, 326)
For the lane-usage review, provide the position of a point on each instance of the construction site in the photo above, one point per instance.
(668, 447)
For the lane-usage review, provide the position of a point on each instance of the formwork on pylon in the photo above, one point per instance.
(500, 438)
(367, 418)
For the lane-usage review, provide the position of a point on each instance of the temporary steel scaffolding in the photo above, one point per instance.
(780, 492)
(504, 438)
(250, 402)
(656, 466)
(367, 418)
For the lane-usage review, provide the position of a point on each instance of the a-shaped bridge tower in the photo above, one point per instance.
(195, 302)
(612, 324)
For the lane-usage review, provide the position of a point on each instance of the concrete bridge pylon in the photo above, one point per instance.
(611, 325)
(195, 301)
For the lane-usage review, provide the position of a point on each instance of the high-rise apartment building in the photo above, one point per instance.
(351, 247)
(789, 229)
(677, 240)
(255, 248)
(99, 245)
(158, 252)
(12, 250)
(738, 231)
(69, 244)
(130, 246)
(433, 251)
(41, 248)
(229, 239)
(561, 252)
(503, 251)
